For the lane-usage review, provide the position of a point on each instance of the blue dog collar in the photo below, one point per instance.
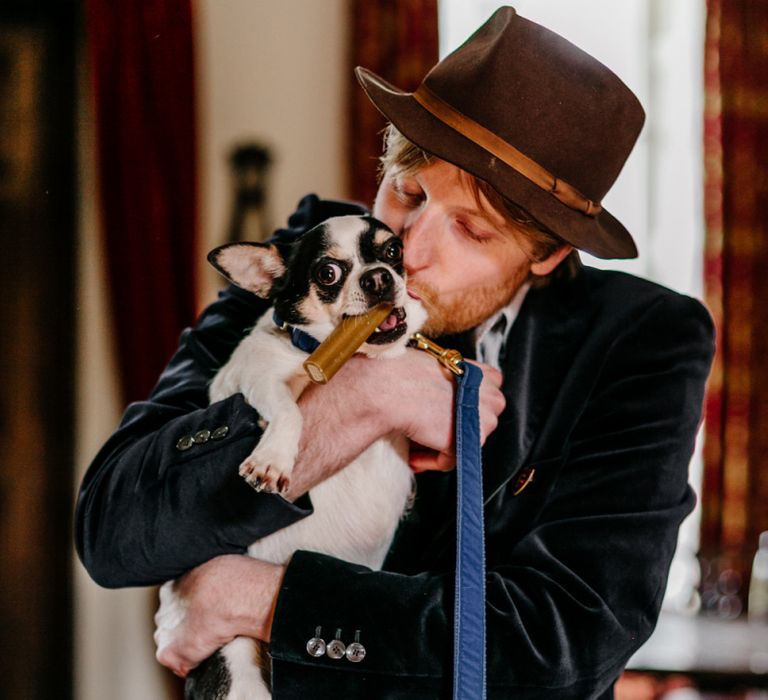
(300, 339)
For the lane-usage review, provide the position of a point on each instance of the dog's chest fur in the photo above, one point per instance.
(356, 511)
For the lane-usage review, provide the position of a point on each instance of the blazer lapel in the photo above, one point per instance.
(540, 348)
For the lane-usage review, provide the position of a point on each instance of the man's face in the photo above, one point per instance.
(463, 260)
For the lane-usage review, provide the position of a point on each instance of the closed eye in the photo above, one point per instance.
(408, 194)
(473, 233)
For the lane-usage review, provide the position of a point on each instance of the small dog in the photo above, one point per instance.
(343, 267)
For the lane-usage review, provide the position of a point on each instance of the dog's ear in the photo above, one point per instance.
(252, 266)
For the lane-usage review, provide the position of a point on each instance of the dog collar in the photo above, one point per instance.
(299, 338)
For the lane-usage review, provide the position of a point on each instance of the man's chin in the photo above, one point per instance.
(438, 324)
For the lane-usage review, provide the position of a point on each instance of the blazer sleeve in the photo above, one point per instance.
(163, 494)
(570, 600)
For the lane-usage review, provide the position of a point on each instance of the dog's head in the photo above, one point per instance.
(342, 267)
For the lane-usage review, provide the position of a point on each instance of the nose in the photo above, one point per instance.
(378, 284)
(418, 248)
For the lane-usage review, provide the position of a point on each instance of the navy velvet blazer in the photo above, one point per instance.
(604, 381)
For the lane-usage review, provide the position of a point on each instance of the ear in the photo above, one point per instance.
(252, 266)
(544, 267)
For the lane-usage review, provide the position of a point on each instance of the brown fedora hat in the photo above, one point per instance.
(544, 123)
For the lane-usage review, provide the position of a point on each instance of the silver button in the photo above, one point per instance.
(316, 645)
(336, 648)
(355, 652)
(185, 443)
(202, 436)
(220, 432)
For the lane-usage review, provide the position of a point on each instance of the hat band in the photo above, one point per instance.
(508, 154)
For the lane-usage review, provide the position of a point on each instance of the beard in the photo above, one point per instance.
(455, 312)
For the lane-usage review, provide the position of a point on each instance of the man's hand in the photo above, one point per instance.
(368, 399)
(428, 415)
(227, 597)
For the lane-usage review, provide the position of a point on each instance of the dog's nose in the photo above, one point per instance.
(377, 283)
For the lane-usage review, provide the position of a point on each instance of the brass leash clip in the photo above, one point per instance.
(451, 359)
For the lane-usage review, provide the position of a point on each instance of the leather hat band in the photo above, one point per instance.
(508, 154)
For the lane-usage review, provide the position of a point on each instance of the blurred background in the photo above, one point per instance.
(135, 136)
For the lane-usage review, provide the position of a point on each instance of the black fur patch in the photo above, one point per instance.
(293, 287)
(328, 293)
(370, 251)
(367, 242)
(209, 681)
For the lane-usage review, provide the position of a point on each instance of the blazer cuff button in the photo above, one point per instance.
(185, 443)
(201, 437)
(316, 645)
(336, 648)
(220, 433)
(355, 651)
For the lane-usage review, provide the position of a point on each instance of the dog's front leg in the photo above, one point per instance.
(268, 468)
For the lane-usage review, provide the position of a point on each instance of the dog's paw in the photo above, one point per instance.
(267, 471)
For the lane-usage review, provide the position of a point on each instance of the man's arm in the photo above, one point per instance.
(155, 502)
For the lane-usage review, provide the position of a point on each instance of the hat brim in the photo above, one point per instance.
(603, 235)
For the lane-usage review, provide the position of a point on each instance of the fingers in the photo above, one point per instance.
(422, 459)
(492, 401)
(168, 651)
(179, 647)
(490, 374)
(169, 620)
(167, 656)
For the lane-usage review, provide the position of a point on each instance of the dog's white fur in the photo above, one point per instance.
(356, 511)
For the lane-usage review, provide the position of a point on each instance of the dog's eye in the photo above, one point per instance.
(394, 250)
(328, 274)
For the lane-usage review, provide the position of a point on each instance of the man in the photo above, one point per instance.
(494, 172)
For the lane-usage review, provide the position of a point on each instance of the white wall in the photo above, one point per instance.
(273, 72)
(269, 70)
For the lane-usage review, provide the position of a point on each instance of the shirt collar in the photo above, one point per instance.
(489, 343)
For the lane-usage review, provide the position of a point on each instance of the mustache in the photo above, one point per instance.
(427, 295)
(430, 300)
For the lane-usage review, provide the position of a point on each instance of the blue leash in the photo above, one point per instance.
(469, 605)
(469, 602)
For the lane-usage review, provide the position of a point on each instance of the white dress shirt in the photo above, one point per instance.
(491, 335)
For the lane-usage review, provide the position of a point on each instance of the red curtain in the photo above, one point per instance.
(735, 493)
(143, 75)
(398, 40)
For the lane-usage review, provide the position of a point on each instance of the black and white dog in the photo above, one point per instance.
(343, 267)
